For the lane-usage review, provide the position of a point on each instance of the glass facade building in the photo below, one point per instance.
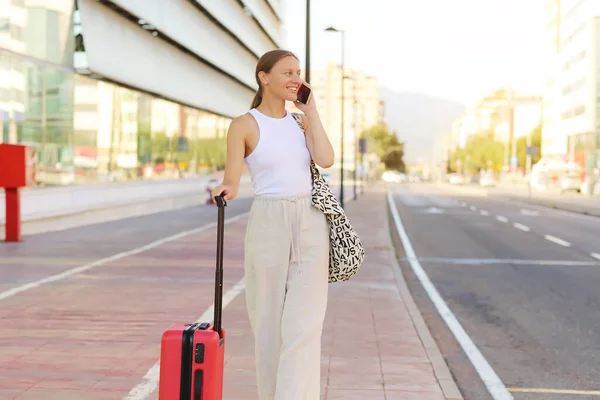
(86, 124)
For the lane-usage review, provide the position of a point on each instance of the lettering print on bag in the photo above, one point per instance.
(346, 252)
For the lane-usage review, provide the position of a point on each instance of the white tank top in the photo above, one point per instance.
(280, 163)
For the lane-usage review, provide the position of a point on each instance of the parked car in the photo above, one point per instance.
(415, 178)
(487, 180)
(393, 177)
(456, 179)
(570, 181)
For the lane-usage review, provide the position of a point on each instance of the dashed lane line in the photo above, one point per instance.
(525, 228)
(556, 240)
(522, 227)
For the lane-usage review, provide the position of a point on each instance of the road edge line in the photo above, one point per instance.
(438, 363)
(494, 385)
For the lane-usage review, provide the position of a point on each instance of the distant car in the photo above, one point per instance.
(456, 179)
(393, 177)
(487, 180)
(570, 181)
(415, 178)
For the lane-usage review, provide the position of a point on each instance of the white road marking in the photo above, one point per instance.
(547, 209)
(73, 271)
(489, 261)
(150, 381)
(530, 213)
(521, 227)
(557, 240)
(595, 255)
(489, 377)
(484, 212)
(556, 391)
(501, 218)
(433, 210)
(412, 200)
(472, 208)
(442, 201)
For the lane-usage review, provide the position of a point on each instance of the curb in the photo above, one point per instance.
(440, 368)
(103, 207)
(64, 214)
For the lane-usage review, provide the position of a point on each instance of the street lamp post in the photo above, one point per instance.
(355, 130)
(307, 66)
(355, 136)
(341, 31)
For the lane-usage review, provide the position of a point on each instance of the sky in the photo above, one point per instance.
(458, 50)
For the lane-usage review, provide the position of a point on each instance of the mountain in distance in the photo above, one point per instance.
(419, 120)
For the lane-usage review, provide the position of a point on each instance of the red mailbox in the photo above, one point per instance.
(16, 171)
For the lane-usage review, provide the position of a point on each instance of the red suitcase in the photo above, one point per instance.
(192, 355)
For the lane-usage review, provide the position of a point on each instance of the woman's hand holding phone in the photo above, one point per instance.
(305, 101)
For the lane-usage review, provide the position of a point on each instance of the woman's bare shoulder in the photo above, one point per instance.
(243, 125)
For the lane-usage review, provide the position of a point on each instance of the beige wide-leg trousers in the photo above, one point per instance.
(286, 269)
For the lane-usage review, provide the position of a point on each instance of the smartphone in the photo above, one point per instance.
(303, 94)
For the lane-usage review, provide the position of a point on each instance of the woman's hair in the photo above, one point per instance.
(265, 64)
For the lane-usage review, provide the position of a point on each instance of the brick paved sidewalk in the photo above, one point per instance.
(95, 334)
(371, 346)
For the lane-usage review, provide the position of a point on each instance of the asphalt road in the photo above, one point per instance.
(569, 201)
(523, 282)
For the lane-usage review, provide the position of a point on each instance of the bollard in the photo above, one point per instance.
(13, 215)
(16, 171)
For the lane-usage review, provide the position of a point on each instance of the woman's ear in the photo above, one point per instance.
(263, 78)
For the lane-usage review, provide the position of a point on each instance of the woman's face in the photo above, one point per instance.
(284, 79)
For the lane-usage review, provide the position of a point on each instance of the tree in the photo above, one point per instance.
(480, 152)
(536, 141)
(393, 159)
(387, 147)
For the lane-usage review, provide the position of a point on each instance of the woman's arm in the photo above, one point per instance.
(236, 147)
(317, 140)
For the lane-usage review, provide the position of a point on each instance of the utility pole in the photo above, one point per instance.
(343, 100)
(307, 64)
(342, 130)
(355, 135)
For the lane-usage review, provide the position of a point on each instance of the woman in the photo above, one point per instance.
(286, 244)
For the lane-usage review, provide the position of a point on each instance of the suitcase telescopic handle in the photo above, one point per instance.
(221, 204)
